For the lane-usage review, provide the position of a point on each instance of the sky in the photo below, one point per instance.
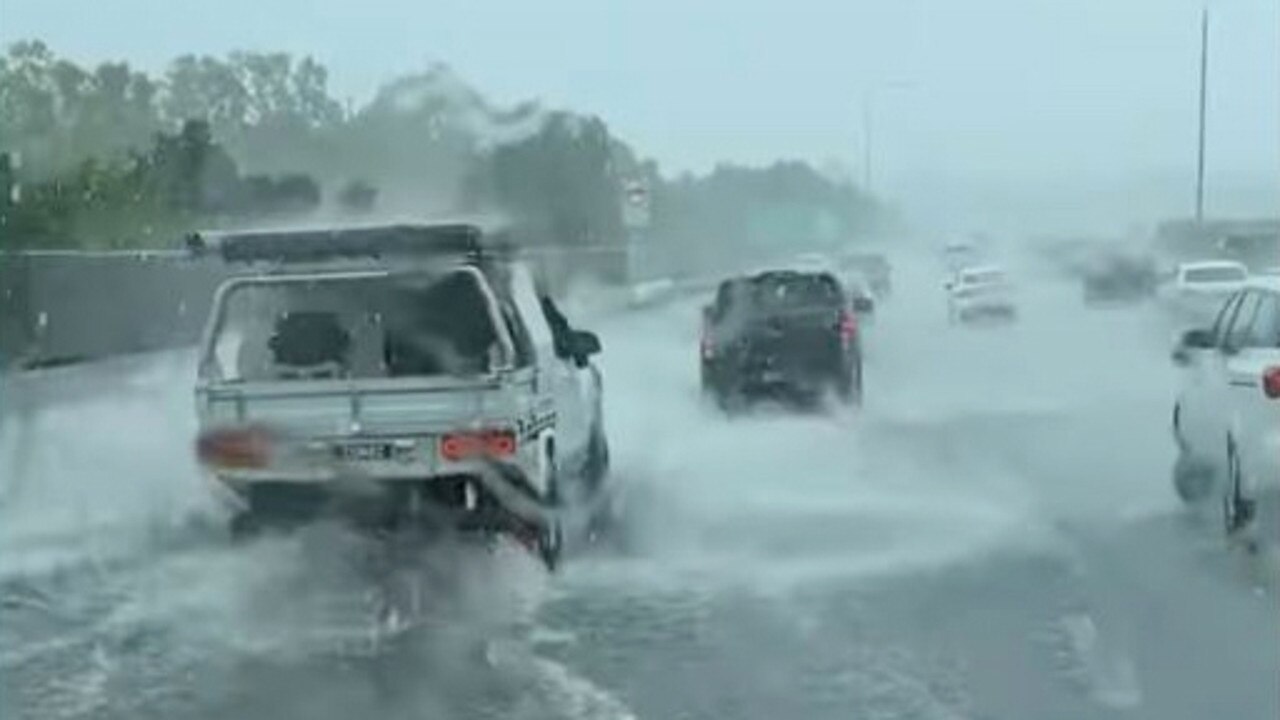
(1026, 109)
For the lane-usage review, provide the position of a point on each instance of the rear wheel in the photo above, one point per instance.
(550, 543)
(849, 384)
(1237, 510)
(597, 465)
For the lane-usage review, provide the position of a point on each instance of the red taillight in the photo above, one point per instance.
(848, 327)
(456, 447)
(247, 448)
(1271, 382)
(500, 444)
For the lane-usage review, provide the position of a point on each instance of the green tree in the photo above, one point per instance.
(560, 184)
(54, 113)
(193, 173)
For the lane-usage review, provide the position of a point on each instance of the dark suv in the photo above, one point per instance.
(781, 333)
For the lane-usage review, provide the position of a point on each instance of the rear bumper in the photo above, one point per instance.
(497, 496)
(764, 380)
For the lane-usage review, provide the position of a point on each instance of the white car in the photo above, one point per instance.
(1198, 289)
(814, 262)
(980, 292)
(1227, 417)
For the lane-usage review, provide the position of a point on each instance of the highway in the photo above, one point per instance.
(994, 535)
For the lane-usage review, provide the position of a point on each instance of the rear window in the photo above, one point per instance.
(777, 291)
(1214, 274)
(365, 327)
(983, 277)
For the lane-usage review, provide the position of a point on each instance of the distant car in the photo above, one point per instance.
(874, 268)
(980, 293)
(1119, 279)
(1198, 289)
(1226, 420)
(814, 262)
(780, 333)
(959, 254)
(861, 297)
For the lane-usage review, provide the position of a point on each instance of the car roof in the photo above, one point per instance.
(981, 270)
(789, 273)
(1211, 264)
(366, 242)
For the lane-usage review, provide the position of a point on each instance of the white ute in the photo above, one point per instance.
(396, 376)
(1227, 417)
(980, 292)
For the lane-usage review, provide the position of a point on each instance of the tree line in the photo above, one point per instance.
(111, 156)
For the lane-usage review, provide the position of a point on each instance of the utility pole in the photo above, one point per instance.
(866, 143)
(1204, 77)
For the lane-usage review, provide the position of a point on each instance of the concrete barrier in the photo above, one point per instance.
(63, 307)
(60, 307)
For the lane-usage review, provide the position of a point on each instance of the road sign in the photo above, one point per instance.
(635, 205)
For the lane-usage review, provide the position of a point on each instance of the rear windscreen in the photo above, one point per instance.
(366, 327)
(771, 292)
(983, 277)
(1215, 274)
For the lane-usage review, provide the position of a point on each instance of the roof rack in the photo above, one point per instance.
(339, 243)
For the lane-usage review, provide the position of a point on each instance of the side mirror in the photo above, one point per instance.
(863, 305)
(1192, 341)
(584, 344)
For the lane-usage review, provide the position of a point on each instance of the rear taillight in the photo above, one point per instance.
(242, 448)
(456, 447)
(1271, 382)
(848, 327)
(704, 342)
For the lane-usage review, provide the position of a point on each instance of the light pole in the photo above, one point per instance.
(868, 122)
(1204, 78)
(866, 142)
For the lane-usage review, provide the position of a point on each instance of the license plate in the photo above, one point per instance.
(363, 452)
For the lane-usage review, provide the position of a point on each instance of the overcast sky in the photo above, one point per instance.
(1069, 101)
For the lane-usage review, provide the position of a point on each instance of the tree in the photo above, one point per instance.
(272, 112)
(54, 113)
(194, 174)
(27, 99)
(204, 88)
(559, 184)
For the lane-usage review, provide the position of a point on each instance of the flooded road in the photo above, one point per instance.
(992, 536)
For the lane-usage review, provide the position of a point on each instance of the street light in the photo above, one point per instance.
(868, 119)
